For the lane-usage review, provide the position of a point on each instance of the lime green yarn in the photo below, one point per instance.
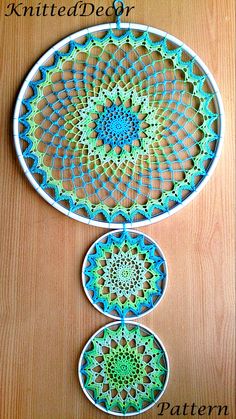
(131, 101)
(124, 274)
(125, 369)
(157, 147)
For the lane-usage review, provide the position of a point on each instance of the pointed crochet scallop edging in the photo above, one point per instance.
(120, 127)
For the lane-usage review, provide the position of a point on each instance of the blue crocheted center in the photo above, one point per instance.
(117, 126)
(179, 132)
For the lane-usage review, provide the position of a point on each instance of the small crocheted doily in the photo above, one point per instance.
(123, 369)
(124, 274)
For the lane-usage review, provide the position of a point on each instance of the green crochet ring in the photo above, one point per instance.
(124, 274)
(123, 369)
(118, 126)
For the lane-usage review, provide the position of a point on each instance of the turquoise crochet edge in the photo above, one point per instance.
(124, 371)
(134, 278)
(94, 211)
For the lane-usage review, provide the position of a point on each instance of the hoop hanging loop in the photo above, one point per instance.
(118, 4)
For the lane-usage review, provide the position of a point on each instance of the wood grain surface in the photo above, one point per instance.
(45, 316)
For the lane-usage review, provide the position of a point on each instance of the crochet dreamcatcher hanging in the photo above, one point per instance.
(119, 126)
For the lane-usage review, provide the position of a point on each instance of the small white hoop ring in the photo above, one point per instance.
(81, 360)
(84, 278)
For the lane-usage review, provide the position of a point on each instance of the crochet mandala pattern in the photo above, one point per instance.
(124, 274)
(119, 126)
(124, 368)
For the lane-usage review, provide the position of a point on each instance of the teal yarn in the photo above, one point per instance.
(124, 369)
(119, 127)
(124, 274)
